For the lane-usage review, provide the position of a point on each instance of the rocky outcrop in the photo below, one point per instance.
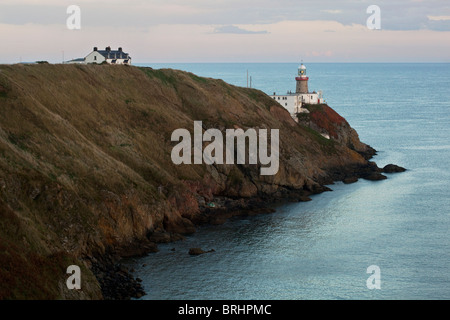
(392, 168)
(86, 173)
(326, 121)
(199, 251)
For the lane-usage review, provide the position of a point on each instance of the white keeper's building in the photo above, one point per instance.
(109, 56)
(293, 101)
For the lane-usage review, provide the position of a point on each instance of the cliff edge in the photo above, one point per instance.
(86, 175)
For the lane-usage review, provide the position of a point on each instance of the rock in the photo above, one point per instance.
(199, 251)
(137, 249)
(350, 180)
(159, 237)
(375, 176)
(179, 225)
(116, 282)
(196, 251)
(392, 168)
(304, 199)
(123, 269)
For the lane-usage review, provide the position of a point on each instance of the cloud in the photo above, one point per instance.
(438, 18)
(208, 31)
(199, 43)
(395, 14)
(332, 11)
(236, 30)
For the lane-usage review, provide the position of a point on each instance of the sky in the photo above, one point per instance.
(227, 30)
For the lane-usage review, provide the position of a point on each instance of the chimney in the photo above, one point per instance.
(95, 48)
(120, 49)
(108, 48)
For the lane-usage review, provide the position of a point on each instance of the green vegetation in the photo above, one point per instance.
(4, 86)
(254, 94)
(197, 78)
(164, 75)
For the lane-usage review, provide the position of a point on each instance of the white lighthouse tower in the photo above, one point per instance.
(294, 102)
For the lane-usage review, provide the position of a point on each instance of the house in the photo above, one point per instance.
(109, 56)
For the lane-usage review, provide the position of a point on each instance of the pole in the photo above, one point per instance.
(247, 78)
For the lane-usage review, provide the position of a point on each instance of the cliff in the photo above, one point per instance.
(86, 175)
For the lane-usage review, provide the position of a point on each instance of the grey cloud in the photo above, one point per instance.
(441, 25)
(35, 14)
(395, 14)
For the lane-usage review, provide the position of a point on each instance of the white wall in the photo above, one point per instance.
(94, 57)
(289, 102)
(293, 102)
(311, 98)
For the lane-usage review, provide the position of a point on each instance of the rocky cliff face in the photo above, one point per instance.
(86, 174)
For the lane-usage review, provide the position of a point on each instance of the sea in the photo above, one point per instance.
(371, 240)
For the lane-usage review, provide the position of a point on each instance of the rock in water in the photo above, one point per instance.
(392, 168)
(196, 251)
(350, 180)
(375, 176)
(199, 251)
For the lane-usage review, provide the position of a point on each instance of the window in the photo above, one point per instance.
(95, 57)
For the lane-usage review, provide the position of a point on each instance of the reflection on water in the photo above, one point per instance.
(315, 250)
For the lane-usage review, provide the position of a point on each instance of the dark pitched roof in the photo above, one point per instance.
(114, 54)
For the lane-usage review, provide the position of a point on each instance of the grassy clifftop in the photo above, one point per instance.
(85, 166)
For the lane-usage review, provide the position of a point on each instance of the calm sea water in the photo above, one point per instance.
(322, 249)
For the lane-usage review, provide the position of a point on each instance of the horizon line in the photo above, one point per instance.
(243, 62)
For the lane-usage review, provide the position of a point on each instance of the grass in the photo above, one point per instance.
(163, 75)
(19, 140)
(4, 87)
(197, 78)
(28, 272)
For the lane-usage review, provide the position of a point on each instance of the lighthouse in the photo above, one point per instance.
(302, 80)
(295, 102)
